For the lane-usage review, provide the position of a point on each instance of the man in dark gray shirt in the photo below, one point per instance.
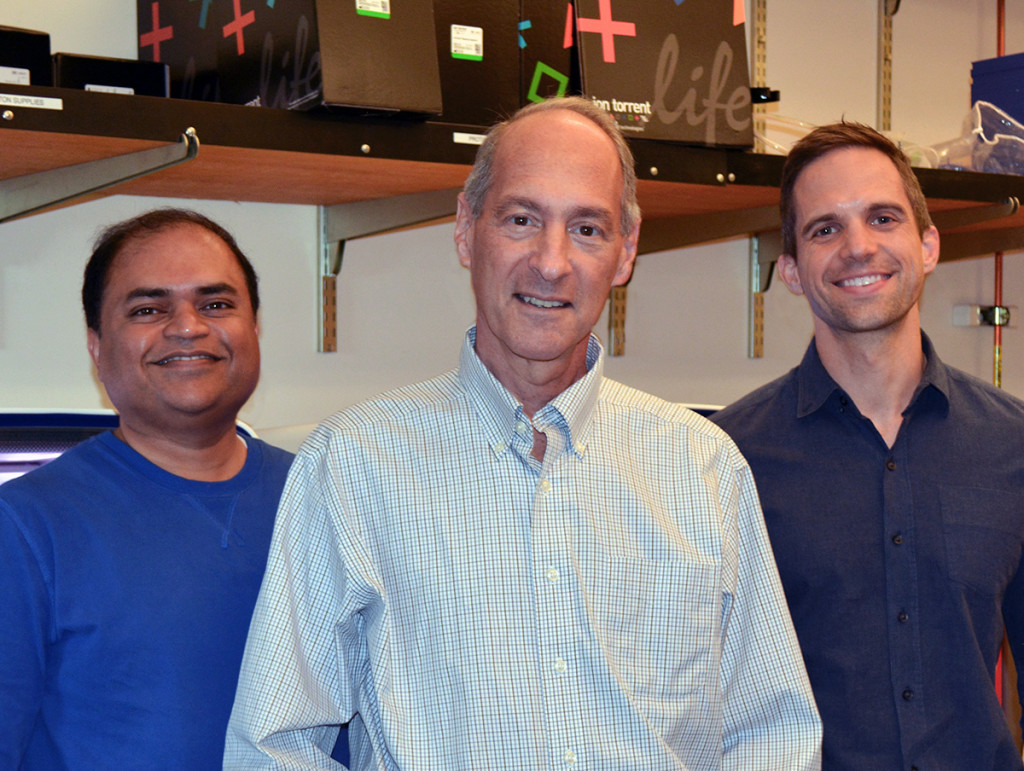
(892, 485)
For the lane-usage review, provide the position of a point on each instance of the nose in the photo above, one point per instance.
(185, 322)
(860, 242)
(551, 257)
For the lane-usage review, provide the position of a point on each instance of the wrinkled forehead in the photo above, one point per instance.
(561, 154)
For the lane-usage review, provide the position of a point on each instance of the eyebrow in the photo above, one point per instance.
(873, 209)
(145, 292)
(586, 212)
(515, 202)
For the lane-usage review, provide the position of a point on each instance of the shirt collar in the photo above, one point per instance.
(571, 411)
(815, 385)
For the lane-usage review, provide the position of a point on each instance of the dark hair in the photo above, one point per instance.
(482, 174)
(838, 136)
(116, 237)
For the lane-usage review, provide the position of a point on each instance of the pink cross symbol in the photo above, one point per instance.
(157, 35)
(240, 22)
(608, 29)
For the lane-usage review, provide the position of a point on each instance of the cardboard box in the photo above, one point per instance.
(668, 70)
(1001, 82)
(378, 55)
(549, 60)
(121, 76)
(25, 57)
(478, 56)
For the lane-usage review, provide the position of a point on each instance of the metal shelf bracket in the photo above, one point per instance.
(32, 192)
(342, 222)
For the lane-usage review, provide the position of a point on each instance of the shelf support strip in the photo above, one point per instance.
(344, 221)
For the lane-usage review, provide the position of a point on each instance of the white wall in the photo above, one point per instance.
(403, 299)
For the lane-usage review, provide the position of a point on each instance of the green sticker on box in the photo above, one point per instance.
(467, 43)
(377, 9)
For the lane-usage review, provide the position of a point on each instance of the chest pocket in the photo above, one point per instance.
(658, 624)
(983, 531)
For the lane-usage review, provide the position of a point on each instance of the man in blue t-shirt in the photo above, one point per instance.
(131, 564)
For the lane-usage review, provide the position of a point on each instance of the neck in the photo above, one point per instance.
(880, 371)
(534, 383)
(211, 456)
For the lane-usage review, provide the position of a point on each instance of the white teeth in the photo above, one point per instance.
(541, 303)
(862, 280)
(183, 358)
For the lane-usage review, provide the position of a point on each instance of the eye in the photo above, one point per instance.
(217, 305)
(147, 310)
(520, 220)
(826, 230)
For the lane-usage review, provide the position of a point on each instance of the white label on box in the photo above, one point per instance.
(109, 89)
(15, 75)
(36, 102)
(462, 138)
(467, 42)
(379, 8)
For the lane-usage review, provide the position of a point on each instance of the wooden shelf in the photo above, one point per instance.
(278, 156)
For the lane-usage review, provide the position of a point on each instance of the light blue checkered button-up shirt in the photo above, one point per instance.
(614, 607)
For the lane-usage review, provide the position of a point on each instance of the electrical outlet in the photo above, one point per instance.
(984, 316)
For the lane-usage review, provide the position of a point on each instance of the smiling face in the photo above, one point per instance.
(861, 260)
(546, 248)
(179, 345)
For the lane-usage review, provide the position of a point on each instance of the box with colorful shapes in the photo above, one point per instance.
(666, 69)
(377, 55)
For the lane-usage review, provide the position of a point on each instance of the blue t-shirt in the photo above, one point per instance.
(901, 564)
(127, 593)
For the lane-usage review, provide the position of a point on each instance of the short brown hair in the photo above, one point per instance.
(837, 136)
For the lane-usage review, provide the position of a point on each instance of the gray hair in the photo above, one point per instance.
(480, 178)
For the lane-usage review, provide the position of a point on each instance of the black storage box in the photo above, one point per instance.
(478, 55)
(665, 70)
(122, 76)
(668, 70)
(377, 55)
(24, 57)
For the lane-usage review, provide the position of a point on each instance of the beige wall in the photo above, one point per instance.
(404, 301)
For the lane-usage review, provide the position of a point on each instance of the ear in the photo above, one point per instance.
(92, 342)
(930, 249)
(464, 231)
(628, 257)
(790, 276)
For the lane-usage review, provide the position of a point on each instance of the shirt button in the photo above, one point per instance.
(552, 575)
(521, 427)
(902, 617)
(499, 447)
(545, 486)
(561, 666)
(569, 757)
(890, 464)
(897, 539)
(908, 695)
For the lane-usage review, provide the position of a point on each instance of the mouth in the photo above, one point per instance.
(186, 357)
(874, 278)
(537, 302)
